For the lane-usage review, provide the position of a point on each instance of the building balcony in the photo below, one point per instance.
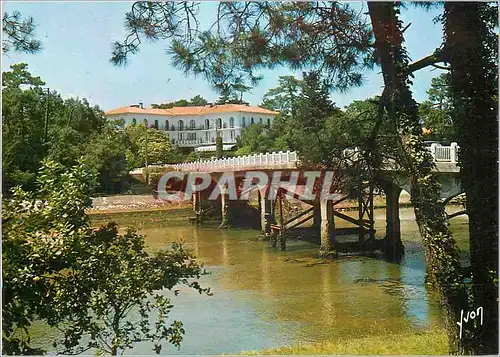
(200, 128)
(198, 142)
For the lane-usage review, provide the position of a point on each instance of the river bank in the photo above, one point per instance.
(432, 342)
(146, 202)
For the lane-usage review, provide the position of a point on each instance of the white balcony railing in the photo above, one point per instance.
(445, 153)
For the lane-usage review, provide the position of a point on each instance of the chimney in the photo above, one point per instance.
(141, 104)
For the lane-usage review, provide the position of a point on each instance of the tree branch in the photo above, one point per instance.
(436, 57)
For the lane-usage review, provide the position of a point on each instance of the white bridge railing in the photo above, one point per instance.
(275, 159)
(256, 160)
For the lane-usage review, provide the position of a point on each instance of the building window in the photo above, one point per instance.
(207, 136)
(191, 136)
(268, 122)
(134, 121)
(219, 123)
(232, 135)
(180, 136)
(207, 124)
(146, 122)
(252, 121)
(156, 124)
(231, 122)
(260, 121)
(167, 125)
(192, 124)
(243, 124)
(180, 125)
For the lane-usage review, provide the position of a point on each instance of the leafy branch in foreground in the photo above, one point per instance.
(130, 291)
(98, 287)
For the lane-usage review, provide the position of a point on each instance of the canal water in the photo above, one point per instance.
(264, 297)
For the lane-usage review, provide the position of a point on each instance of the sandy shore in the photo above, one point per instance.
(131, 203)
(138, 203)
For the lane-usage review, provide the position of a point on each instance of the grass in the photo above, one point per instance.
(432, 342)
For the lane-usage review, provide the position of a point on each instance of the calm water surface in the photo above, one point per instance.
(264, 297)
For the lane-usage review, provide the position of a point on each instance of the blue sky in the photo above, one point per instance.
(77, 38)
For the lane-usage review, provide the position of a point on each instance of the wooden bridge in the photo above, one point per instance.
(321, 212)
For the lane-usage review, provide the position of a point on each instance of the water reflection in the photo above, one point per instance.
(265, 297)
(309, 299)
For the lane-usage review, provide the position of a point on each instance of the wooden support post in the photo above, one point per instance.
(371, 215)
(317, 216)
(393, 245)
(281, 236)
(198, 207)
(224, 207)
(266, 212)
(361, 208)
(327, 228)
(273, 239)
(280, 208)
(195, 202)
(365, 208)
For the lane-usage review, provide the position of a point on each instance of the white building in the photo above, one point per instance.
(197, 127)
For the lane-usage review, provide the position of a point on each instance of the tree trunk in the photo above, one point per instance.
(443, 268)
(472, 49)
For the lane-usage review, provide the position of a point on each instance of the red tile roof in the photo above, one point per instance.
(180, 111)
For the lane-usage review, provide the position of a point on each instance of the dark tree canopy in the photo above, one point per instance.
(328, 37)
(196, 101)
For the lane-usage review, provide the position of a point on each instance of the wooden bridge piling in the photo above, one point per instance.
(327, 238)
(393, 245)
(224, 207)
(365, 209)
(266, 212)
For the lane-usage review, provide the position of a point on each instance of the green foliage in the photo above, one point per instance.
(283, 97)
(436, 112)
(231, 94)
(471, 37)
(308, 131)
(256, 139)
(317, 128)
(42, 232)
(105, 155)
(192, 156)
(432, 342)
(98, 287)
(219, 147)
(19, 34)
(22, 126)
(39, 124)
(193, 102)
(129, 292)
(443, 267)
(150, 142)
